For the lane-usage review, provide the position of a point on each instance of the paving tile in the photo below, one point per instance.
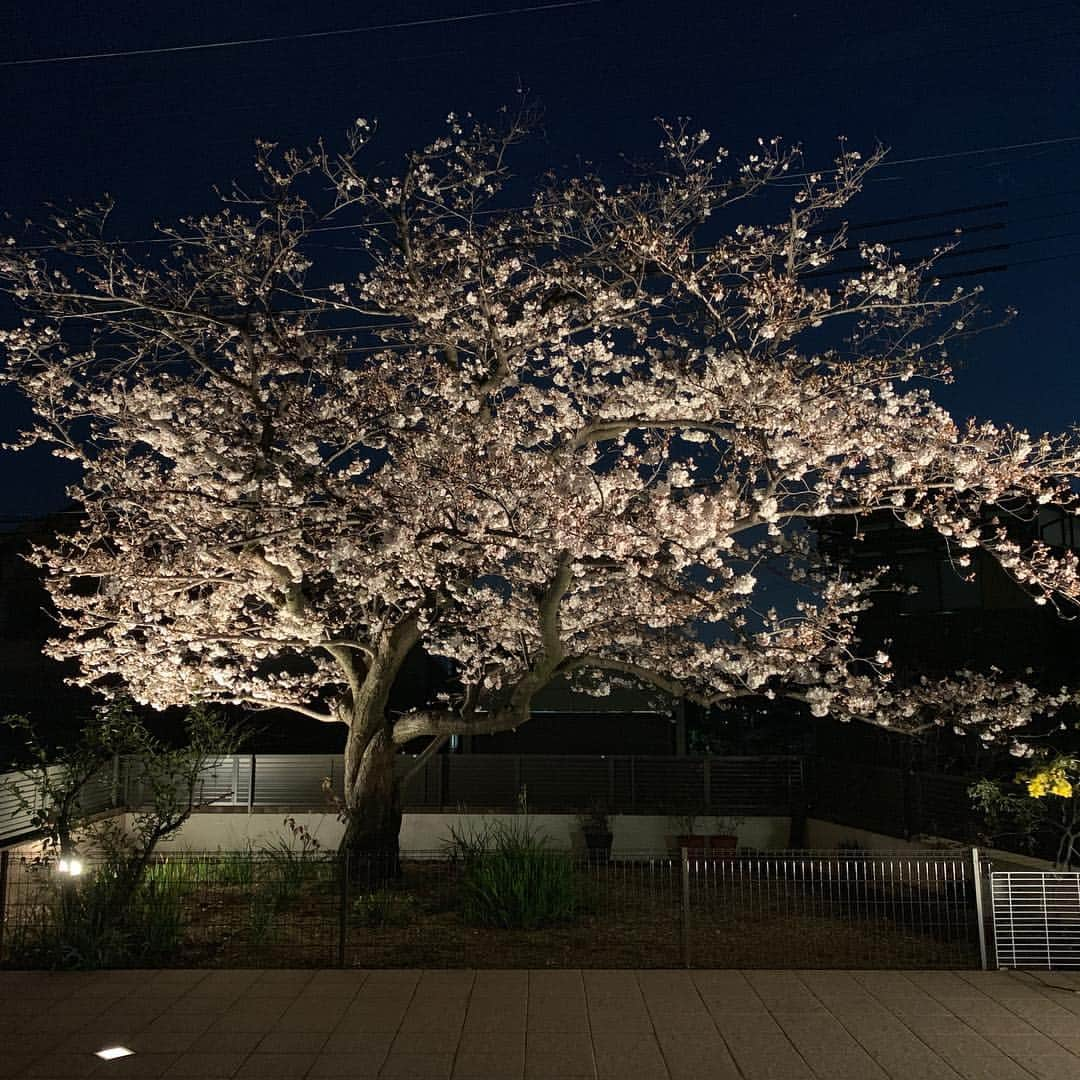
(206, 1066)
(353, 1066)
(1053, 1066)
(620, 1055)
(827, 1047)
(291, 1042)
(305, 1018)
(673, 1003)
(936, 1025)
(62, 1063)
(186, 1023)
(478, 1066)
(27, 1043)
(370, 1043)
(1024, 1046)
(1046, 1016)
(761, 1049)
(566, 1053)
(437, 1039)
(1006, 1069)
(278, 982)
(276, 1066)
(782, 991)
(994, 1020)
(250, 1017)
(343, 982)
(992, 1065)
(205, 1002)
(902, 1057)
(16, 1064)
(625, 1017)
(696, 1055)
(727, 992)
(160, 1042)
(492, 1042)
(966, 1042)
(417, 1067)
(812, 1029)
(489, 1012)
(557, 1002)
(138, 1067)
(226, 1042)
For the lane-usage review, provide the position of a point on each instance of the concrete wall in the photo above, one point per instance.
(826, 836)
(633, 833)
(428, 832)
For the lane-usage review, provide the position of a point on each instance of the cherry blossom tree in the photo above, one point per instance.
(579, 434)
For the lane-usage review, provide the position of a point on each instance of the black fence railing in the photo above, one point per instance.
(549, 909)
(892, 801)
(898, 802)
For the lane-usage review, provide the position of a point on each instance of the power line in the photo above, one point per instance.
(237, 42)
(1065, 140)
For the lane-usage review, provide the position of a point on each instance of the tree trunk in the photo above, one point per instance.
(372, 805)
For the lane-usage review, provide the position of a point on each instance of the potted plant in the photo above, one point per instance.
(596, 829)
(723, 839)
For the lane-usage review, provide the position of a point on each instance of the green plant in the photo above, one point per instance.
(685, 823)
(510, 877)
(727, 824)
(264, 904)
(1043, 800)
(384, 908)
(96, 921)
(293, 861)
(595, 820)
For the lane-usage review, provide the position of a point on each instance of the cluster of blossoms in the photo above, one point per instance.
(1052, 780)
(572, 438)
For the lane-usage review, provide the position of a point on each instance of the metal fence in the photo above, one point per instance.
(896, 802)
(1036, 919)
(627, 784)
(741, 910)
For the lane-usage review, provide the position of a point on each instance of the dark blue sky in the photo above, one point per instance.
(157, 131)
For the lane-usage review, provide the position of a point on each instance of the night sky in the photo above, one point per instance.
(931, 81)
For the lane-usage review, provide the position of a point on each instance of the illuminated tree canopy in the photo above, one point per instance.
(581, 435)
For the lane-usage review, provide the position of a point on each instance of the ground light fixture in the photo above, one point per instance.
(112, 1052)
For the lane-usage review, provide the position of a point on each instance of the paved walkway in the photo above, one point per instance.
(542, 1025)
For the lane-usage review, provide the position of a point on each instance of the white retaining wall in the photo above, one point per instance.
(428, 832)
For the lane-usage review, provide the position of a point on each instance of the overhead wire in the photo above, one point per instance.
(1067, 140)
(312, 35)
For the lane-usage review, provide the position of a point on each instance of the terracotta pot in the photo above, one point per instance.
(718, 845)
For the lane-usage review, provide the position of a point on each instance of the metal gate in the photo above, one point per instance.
(1036, 919)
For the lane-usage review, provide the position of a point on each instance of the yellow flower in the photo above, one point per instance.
(1051, 781)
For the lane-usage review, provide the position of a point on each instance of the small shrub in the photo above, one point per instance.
(384, 908)
(99, 922)
(264, 904)
(291, 862)
(510, 878)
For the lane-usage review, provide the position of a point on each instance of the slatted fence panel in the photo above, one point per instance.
(1036, 919)
(293, 779)
(742, 785)
(661, 785)
(859, 796)
(564, 783)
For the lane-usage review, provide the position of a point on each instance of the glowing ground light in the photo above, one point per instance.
(111, 1052)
